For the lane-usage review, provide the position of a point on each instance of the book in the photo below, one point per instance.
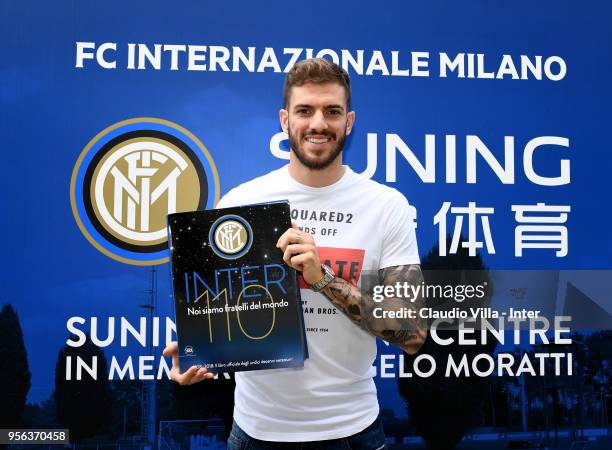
(237, 303)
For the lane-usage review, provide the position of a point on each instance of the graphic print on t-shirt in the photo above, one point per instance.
(345, 262)
(317, 222)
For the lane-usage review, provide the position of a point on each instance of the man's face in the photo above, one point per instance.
(317, 122)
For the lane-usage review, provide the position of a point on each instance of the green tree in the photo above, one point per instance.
(14, 370)
(127, 408)
(452, 404)
(84, 406)
(41, 415)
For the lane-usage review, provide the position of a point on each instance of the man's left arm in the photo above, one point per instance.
(300, 252)
(407, 333)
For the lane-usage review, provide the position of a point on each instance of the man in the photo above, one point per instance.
(361, 225)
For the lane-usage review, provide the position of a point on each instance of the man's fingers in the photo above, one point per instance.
(293, 236)
(199, 375)
(171, 348)
(204, 374)
(299, 260)
(185, 377)
(294, 249)
(283, 241)
(192, 375)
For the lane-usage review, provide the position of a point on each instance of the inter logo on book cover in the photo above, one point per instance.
(130, 177)
(230, 236)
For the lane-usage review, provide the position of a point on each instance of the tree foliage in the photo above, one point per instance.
(14, 370)
(443, 408)
(84, 406)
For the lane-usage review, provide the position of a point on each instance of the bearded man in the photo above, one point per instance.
(362, 225)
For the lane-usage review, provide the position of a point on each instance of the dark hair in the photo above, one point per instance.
(318, 71)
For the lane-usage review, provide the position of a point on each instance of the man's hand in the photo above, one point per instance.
(300, 252)
(191, 375)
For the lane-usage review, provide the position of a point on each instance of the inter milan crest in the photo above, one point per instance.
(230, 237)
(130, 177)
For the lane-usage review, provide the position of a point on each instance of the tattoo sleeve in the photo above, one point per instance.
(409, 333)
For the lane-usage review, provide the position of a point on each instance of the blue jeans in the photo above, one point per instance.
(372, 438)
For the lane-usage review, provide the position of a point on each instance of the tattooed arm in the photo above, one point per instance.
(408, 334)
(300, 252)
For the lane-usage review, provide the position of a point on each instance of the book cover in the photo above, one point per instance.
(237, 303)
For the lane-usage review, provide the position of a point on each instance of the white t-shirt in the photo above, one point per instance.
(357, 224)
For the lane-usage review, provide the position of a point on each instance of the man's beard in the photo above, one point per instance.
(316, 164)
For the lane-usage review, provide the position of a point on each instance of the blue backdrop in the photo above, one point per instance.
(51, 109)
